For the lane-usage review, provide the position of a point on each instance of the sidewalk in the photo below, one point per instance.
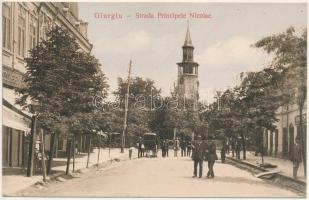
(15, 179)
(285, 166)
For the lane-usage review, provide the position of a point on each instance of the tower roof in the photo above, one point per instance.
(188, 41)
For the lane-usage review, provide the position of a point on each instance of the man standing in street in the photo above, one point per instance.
(238, 148)
(166, 147)
(296, 157)
(212, 157)
(163, 148)
(139, 145)
(223, 151)
(176, 147)
(198, 156)
(183, 148)
(189, 147)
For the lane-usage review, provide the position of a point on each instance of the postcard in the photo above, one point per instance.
(154, 99)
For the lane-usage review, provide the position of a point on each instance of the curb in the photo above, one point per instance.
(62, 177)
(297, 186)
(265, 170)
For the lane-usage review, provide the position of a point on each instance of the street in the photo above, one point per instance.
(161, 177)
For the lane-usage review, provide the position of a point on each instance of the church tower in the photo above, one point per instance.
(187, 83)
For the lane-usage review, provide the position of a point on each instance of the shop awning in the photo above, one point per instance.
(12, 115)
(13, 120)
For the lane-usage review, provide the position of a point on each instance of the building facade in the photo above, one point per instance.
(24, 24)
(280, 143)
(187, 80)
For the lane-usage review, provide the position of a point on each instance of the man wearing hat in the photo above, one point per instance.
(198, 156)
(212, 157)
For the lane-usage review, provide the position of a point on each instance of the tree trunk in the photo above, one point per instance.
(51, 153)
(243, 146)
(74, 153)
(68, 155)
(31, 147)
(99, 146)
(43, 156)
(89, 147)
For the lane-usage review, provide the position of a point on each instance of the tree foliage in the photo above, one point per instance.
(61, 81)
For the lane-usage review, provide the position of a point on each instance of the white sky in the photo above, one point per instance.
(222, 43)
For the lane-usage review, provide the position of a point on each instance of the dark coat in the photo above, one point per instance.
(198, 151)
(212, 155)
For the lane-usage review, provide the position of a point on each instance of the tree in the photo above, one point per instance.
(61, 81)
(257, 103)
(142, 98)
(290, 61)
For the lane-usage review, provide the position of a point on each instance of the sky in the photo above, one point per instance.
(223, 42)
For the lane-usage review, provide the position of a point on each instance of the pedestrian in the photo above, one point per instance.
(212, 157)
(176, 147)
(233, 147)
(228, 146)
(198, 156)
(238, 148)
(166, 147)
(139, 145)
(223, 151)
(189, 148)
(163, 149)
(130, 151)
(296, 157)
(143, 150)
(183, 148)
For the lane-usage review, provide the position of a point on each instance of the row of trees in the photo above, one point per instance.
(250, 107)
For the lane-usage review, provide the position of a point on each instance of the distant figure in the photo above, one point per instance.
(233, 147)
(212, 157)
(223, 151)
(296, 157)
(143, 150)
(238, 148)
(176, 147)
(189, 148)
(130, 151)
(198, 156)
(183, 148)
(228, 146)
(166, 147)
(163, 148)
(139, 145)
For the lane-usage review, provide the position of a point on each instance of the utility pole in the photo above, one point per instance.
(126, 103)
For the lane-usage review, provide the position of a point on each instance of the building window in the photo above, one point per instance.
(32, 32)
(6, 26)
(45, 25)
(21, 37)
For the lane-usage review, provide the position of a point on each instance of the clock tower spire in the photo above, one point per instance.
(187, 84)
